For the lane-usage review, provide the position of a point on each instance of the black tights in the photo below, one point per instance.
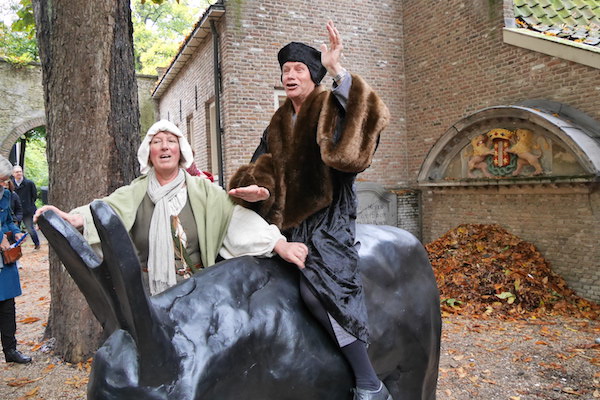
(355, 353)
(8, 325)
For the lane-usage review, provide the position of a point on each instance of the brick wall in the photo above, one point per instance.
(188, 97)
(433, 63)
(372, 34)
(456, 64)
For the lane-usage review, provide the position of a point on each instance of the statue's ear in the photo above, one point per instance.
(83, 265)
(137, 314)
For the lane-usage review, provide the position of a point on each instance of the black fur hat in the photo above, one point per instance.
(300, 52)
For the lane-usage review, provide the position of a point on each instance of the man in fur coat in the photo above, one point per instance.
(301, 178)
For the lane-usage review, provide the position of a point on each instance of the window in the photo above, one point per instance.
(189, 122)
(278, 98)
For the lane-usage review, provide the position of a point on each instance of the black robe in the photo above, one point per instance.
(309, 167)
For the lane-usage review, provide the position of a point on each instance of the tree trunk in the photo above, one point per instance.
(86, 52)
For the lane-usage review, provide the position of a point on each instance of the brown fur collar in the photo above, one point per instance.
(296, 171)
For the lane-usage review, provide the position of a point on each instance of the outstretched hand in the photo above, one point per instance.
(252, 193)
(74, 219)
(331, 56)
(293, 252)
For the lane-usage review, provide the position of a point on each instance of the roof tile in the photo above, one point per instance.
(577, 20)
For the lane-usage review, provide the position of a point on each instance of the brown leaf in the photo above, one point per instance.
(18, 382)
(33, 392)
(29, 320)
(49, 368)
(571, 391)
(77, 382)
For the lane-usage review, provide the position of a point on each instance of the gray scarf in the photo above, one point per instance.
(168, 201)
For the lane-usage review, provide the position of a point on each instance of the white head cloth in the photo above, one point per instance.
(187, 157)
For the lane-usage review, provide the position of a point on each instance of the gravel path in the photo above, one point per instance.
(481, 358)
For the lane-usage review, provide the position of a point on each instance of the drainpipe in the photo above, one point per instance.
(217, 74)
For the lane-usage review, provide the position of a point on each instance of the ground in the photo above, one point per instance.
(519, 359)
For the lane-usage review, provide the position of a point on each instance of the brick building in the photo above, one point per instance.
(494, 109)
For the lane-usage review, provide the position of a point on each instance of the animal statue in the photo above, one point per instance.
(523, 149)
(239, 329)
(480, 153)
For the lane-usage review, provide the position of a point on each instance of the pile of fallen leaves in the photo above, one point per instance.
(485, 270)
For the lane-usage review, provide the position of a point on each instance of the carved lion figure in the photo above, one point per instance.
(480, 152)
(523, 149)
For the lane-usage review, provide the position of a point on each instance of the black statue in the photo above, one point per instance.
(239, 330)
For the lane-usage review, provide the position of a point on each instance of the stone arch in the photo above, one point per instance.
(571, 150)
(36, 119)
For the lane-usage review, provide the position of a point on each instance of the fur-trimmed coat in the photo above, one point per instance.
(297, 168)
(309, 166)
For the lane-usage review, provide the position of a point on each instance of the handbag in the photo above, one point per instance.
(12, 254)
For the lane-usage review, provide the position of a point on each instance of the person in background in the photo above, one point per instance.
(10, 285)
(194, 171)
(15, 208)
(27, 192)
(15, 202)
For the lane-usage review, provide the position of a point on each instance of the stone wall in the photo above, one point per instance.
(22, 102)
(148, 109)
(409, 211)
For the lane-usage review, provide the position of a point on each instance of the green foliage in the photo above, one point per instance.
(159, 28)
(26, 21)
(17, 42)
(36, 164)
(454, 303)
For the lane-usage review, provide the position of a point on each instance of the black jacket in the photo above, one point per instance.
(28, 194)
(15, 207)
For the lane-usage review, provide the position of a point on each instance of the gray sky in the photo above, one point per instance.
(7, 15)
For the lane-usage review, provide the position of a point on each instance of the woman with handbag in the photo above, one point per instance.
(10, 286)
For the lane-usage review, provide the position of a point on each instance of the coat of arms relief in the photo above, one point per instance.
(501, 153)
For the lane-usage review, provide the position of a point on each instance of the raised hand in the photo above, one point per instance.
(331, 56)
(74, 219)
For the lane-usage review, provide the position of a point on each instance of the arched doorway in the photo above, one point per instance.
(25, 145)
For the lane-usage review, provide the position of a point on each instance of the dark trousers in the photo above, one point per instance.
(8, 324)
(356, 352)
(28, 221)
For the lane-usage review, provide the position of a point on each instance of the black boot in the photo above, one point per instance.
(17, 357)
(381, 394)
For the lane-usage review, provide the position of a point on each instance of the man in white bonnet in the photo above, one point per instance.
(167, 199)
